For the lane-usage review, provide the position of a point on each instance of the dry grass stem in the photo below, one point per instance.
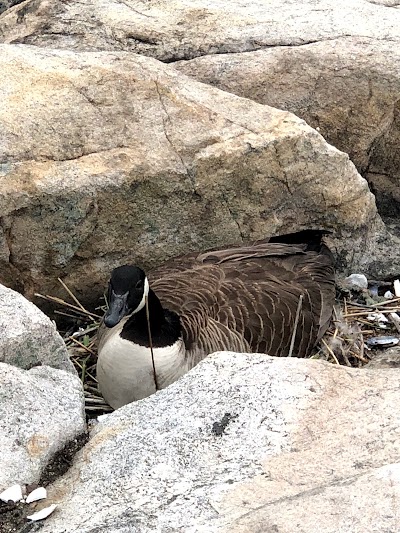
(86, 348)
(330, 351)
(78, 303)
(296, 321)
(60, 301)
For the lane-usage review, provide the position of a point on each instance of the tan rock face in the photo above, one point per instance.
(335, 66)
(113, 158)
(347, 87)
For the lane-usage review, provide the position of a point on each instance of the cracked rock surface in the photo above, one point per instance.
(110, 158)
(299, 442)
(348, 88)
(28, 337)
(169, 30)
(41, 410)
(334, 63)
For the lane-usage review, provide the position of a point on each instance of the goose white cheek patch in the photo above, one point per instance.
(145, 294)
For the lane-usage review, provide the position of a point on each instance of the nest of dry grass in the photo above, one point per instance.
(356, 319)
(80, 338)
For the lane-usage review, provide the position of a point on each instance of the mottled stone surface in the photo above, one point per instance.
(243, 443)
(41, 410)
(27, 336)
(114, 158)
(170, 30)
(347, 87)
(6, 4)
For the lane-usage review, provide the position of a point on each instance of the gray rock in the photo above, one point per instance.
(242, 443)
(41, 410)
(27, 336)
(358, 504)
(170, 30)
(6, 4)
(356, 281)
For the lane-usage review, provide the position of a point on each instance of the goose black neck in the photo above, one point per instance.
(164, 325)
(156, 313)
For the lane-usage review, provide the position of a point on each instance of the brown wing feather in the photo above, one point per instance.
(245, 298)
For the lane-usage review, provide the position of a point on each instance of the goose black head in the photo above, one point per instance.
(127, 291)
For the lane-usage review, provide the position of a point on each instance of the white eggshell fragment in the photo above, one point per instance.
(38, 494)
(379, 317)
(389, 295)
(396, 286)
(13, 493)
(42, 514)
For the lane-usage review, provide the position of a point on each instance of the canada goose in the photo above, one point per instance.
(243, 299)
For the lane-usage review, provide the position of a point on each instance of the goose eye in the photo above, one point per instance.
(139, 284)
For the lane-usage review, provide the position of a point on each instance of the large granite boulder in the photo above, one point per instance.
(345, 87)
(27, 336)
(170, 30)
(334, 63)
(243, 443)
(114, 157)
(41, 410)
(41, 395)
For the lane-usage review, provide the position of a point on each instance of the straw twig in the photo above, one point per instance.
(331, 352)
(81, 345)
(78, 303)
(60, 301)
(296, 320)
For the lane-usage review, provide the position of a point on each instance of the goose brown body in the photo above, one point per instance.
(245, 299)
(242, 299)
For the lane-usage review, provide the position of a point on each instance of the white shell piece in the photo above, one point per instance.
(43, 513)
(383, 341)
(38, 494)
(396, 286)
(13, 493)
(379, 317)
(389, 295)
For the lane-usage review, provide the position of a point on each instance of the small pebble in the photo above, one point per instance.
(356, 281)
